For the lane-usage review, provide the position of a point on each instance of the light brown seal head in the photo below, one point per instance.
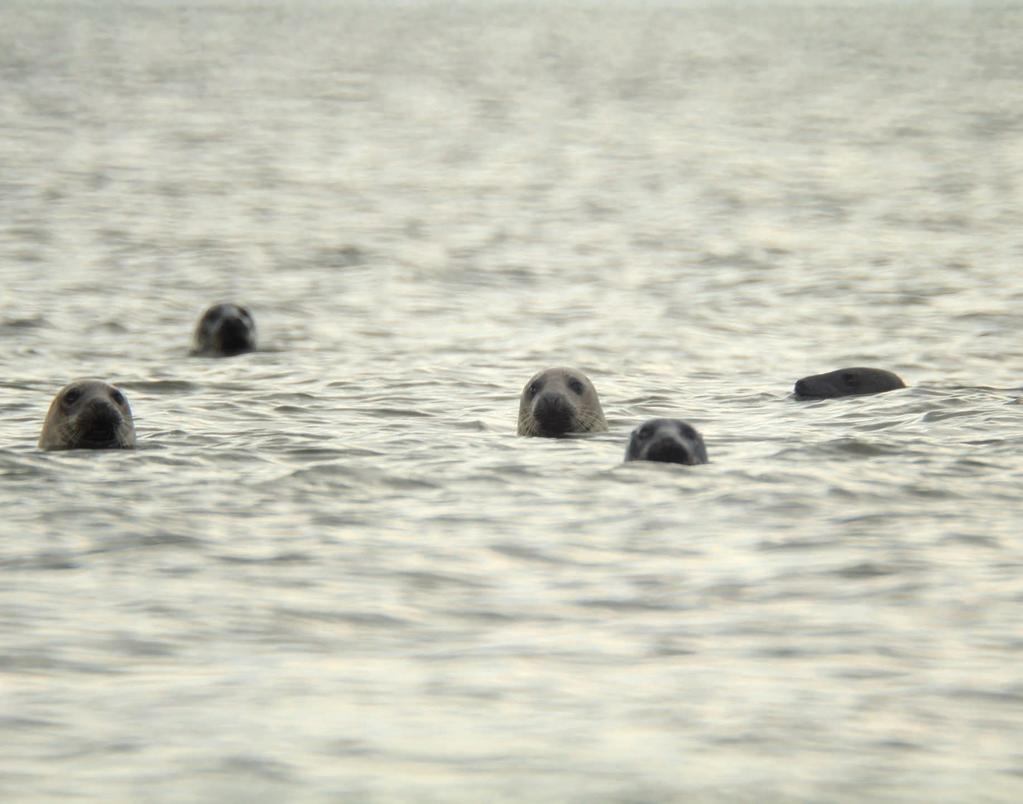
(557, 401)
(88, 414)
(224, 330)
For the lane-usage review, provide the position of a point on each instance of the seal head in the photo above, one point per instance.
(847, 382)
(88, 414)
(666, 440)
(225, 330)
(558, 401)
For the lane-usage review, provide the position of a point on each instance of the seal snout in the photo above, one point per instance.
(99, 423)
(233, 335)
(802, 388)
(669, 450)
(100, 410)
(553, 413)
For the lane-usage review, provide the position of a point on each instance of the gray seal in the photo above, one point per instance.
(224, 330)
(88, 414)
(558, 401)
(667, 440)
(847, 382)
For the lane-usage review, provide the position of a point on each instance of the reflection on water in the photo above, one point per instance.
(331, 570)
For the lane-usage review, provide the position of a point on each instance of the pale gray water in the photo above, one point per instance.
(331, 571)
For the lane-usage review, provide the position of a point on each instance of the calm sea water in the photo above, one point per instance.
(331, 571)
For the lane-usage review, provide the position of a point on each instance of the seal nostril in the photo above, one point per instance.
(103, 430)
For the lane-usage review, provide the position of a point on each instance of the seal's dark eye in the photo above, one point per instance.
(535, 387)
(849, 379)
(645, 431)
(245, 312)
(72, 396)
(576, 386)
(118, 397)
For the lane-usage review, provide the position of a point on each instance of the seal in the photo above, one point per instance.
(557, 401)
(667, 440)
(88, 414)
(847, 382)
(224, 330)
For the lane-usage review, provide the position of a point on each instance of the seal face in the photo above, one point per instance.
(847, 382)
(557, 401)
(225, 330)
(88, 414)
(667, 440)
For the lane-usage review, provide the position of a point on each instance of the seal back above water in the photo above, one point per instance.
(88, 414)
(847, 382)
(558, 401)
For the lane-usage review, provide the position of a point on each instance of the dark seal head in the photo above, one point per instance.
(558, 401)
(88, 414)
(225, 330)
(847, 382)
(667, 440)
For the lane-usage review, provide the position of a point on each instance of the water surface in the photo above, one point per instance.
(331, 571)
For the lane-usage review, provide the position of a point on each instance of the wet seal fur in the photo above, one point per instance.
(847, 382)
(558, 401)
(88, 414)
(666, 440)
(224, 330)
